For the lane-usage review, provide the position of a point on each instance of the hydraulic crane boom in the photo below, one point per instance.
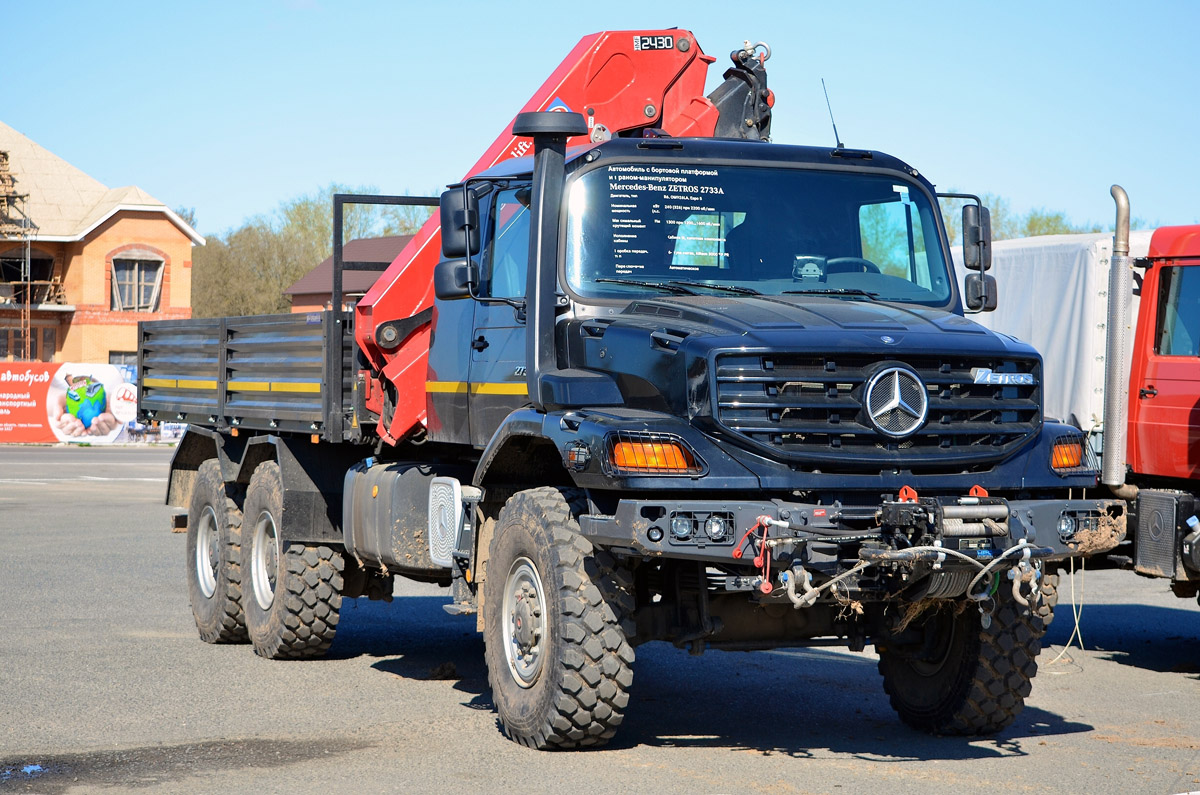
(625, 83)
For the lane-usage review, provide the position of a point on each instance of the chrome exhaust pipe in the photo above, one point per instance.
(1116, 351)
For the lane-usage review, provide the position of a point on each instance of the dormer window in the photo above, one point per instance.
(136, 285)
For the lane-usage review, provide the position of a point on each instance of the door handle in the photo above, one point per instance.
(1147, 392)
(479, 343)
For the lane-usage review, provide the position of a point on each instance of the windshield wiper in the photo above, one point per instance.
(727, 288)
(670, 287)
(832, 291)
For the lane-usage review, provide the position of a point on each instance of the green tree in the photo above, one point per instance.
(188, 214)
(1004, 224)
(1007, 225)
(1040, 221)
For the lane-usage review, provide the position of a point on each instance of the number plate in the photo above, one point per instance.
(653, 42)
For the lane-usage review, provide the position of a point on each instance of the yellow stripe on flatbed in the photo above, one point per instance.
(248, 386)
(295, 386)
(305, 387)
(180, 383)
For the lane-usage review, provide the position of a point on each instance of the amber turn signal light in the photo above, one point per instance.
(1067, 454)
(628, 454)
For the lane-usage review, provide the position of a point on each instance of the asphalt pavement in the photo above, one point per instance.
(107, 688)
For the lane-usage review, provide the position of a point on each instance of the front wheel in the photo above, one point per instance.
(558, 659)
(293, 591)
(964, 678)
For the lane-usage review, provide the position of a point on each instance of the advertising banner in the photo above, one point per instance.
(48, 403)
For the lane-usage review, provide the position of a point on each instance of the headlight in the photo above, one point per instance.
(716, 528)
(681, 527)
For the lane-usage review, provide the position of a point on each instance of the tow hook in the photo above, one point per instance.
(1024, 573)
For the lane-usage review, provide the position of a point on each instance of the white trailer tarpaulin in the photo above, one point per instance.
(1054, 295)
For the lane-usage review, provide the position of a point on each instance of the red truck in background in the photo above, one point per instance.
(1120, 333)
(1160, 473)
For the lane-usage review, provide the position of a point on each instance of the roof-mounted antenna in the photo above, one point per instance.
(836, 137)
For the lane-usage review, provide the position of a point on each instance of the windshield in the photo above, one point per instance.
(637, 229)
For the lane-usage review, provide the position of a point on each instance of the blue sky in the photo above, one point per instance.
(232, 108)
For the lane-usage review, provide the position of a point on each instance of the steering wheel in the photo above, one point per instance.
(850, 265)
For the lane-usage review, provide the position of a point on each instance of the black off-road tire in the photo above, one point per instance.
(213, 563)
(979, 678)
(293, 591)
(556, 616)
(1048, 588)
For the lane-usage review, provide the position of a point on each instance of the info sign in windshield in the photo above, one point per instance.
(666, 215)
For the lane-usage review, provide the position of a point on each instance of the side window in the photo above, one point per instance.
(1177, 331)
(892, 236)
(507, 256)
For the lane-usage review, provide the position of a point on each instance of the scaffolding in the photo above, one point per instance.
(15, 226)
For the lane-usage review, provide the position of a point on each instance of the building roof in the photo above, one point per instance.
(66, 204)
(319, 280)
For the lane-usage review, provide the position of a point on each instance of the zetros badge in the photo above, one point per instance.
(985, 375)
(896, 402)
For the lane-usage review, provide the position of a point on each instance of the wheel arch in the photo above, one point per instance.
(197, 446)
(312, 478)
(521, 455)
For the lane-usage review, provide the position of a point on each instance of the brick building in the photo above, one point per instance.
(82, 263)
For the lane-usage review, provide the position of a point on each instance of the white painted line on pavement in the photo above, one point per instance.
(45, 481)
(139, 480)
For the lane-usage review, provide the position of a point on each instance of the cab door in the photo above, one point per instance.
(496, 381)
(1165, 382)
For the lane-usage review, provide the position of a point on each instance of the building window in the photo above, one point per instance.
(136, 284)
(18, 345)
(3, 344)
(49, 343)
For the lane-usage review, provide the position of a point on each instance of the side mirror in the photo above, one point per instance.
(460, 222)
(982, 294)
(452, 278)
(977, 237)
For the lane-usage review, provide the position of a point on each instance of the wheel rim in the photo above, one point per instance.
(947, 629)
(524, 620)
(207, 554)
(265, 560)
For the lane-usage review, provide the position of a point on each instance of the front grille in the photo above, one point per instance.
(809, 408)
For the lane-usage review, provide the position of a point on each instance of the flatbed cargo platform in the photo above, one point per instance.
(263, 372)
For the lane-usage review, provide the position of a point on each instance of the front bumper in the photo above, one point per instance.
(982, 528)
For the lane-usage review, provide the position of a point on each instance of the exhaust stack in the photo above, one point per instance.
(1116, 352)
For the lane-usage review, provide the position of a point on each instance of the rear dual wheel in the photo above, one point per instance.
(293, 590)
(213, 561)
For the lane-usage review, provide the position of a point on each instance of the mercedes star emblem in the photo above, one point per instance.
(896, 402)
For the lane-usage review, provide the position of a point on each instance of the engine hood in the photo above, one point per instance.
(787, 375)
(813, 323)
